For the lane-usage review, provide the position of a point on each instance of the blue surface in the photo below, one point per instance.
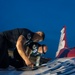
(46, 15)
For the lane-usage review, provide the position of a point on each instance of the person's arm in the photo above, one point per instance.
(21, 50)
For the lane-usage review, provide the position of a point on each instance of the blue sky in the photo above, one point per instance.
(46, 15)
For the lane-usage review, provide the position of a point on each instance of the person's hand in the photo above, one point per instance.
(29, 64)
